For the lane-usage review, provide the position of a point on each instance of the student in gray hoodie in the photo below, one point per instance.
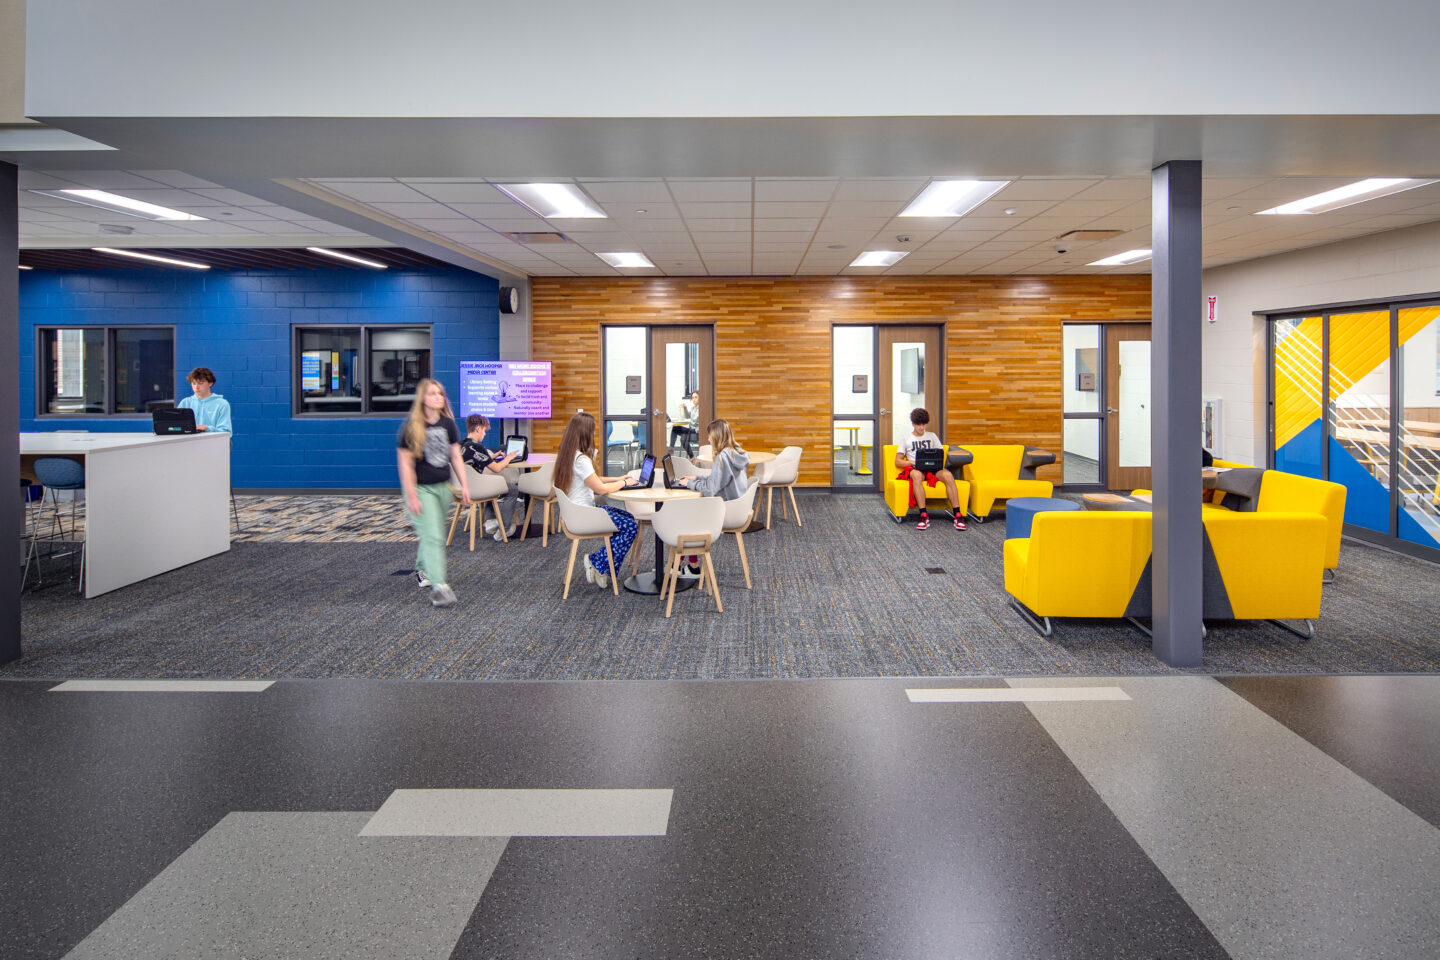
(726, 479)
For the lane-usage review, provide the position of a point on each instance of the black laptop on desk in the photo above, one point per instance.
(174, 420)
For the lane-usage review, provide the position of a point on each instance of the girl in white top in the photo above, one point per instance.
(575, 474)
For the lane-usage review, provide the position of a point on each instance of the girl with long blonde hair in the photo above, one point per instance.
(427, 451)
(575, 475)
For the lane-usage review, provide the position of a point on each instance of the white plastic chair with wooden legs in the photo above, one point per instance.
(484, 488)
(586, 523)
(781, 472)
(539, 485)
(690, 528)
(737, 518)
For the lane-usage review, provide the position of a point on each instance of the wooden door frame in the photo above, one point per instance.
(887, 334)
(1116, 476)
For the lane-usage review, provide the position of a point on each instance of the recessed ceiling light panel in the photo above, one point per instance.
(626, 260)
(952, 198)
(879, 258)
(118, 204)
(1357, 192)
(554, 201)
(1123, 259)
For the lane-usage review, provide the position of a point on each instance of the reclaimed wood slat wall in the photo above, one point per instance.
(772, 347)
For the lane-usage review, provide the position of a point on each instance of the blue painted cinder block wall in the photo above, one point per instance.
(238, 323)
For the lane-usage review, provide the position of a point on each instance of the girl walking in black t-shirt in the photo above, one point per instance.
(428, 450)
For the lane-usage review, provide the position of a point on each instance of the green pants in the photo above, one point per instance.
(429, 524)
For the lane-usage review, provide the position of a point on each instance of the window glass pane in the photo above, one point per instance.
(73, 367)
(144, 369)
(853, 360)
(399, 360)
(1419, 518)
(1082, 451)
(1082, 367)
(329, 374)
(907, 379)
(853, 462)
(625, 375)
(1360, 415)
(1134, 403)
(1297, 395)
(622, 446)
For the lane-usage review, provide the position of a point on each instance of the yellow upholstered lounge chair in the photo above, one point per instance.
(994, 474)
(897, 492)
(1078, 564)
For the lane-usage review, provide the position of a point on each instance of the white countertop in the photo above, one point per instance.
(71, 444)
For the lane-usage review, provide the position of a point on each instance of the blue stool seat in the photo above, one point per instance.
(1020, 512)
(60, 473)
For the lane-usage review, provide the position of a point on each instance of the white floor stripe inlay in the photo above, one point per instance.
(1011, 695)
(162, 686)
(522, 813)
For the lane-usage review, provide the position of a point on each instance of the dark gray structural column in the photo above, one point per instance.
(12, 518)
(1175, 412)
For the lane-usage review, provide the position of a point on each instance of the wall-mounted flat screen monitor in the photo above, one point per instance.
(514, 389)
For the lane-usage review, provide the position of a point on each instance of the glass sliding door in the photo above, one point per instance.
(853, 407)
(1297, 349)
(1359, 415)
(1418, 467)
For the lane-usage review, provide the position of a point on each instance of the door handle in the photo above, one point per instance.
(884, 412)
(1111, 410)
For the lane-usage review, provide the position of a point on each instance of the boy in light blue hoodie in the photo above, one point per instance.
(212, 411)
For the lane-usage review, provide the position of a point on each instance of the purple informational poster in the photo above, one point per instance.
(511, 389)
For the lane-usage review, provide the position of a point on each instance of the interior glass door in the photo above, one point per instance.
(852, 362)
(1418, 470)
(682, 395)
(1359, 415)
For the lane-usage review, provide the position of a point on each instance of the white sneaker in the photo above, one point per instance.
(589, 571)
(442, 596)
(509, 533)
(421, 580)
(491, 526)
(602, 580)
(688, 572)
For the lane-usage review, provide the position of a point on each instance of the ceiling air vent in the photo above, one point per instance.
(1089, 236)
(542, 237)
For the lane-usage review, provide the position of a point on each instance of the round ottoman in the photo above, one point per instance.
(1021, 511)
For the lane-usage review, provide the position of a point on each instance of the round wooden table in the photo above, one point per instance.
(649, 583)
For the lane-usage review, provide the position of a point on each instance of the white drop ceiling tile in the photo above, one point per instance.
(417, 211)
(41, 180)
(984, 223)
(844, 209)
(231, 198)
(713, 225)
(764, 247)
(664, 234)
(782, 210)
(630, 213)
(452, 192)
(216, 228)
(627, 191)
(385, 191)
(715, 211)
(1082, 211)
(1027, 235)
(1220, 188)
(723, 249)
(833, 221)
(894, 191)
(1117, 188)
(1024, 209)
(117, 180)
(794, 190)
(964, 233)
(1290, 188)
(490, 211)
(1040, 190)
(801, 237)
(700, 191)
(50, 229)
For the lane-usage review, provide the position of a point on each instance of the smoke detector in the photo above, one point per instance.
(117, 228)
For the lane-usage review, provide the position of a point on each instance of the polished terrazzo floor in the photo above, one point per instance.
(1170, 816)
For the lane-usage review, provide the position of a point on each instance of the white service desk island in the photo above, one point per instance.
(152, 503)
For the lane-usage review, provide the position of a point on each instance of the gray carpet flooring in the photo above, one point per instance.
(847, 595)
